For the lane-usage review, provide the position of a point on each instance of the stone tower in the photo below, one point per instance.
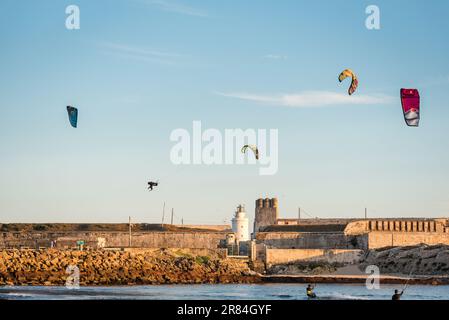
(266, 213)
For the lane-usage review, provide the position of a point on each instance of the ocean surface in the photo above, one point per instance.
(223, 292)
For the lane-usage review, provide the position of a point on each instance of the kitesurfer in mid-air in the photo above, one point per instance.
(152, 184)
(309, 292)
(397, 295)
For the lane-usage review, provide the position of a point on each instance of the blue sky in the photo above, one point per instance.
(139, 69)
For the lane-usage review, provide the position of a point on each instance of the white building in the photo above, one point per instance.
(240, 224)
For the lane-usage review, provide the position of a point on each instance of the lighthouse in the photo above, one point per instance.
(240, 224)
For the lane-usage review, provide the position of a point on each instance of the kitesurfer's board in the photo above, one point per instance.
(410, 106)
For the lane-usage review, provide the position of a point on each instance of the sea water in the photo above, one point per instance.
(224, 292)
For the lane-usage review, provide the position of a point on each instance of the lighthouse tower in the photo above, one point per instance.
(240, 224)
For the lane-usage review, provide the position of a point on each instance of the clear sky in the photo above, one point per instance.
(138, 69)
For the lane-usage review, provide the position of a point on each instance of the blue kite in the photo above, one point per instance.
(73, 115)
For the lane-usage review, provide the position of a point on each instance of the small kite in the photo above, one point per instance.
(152, 184)
(253, 148)
(410, 106)
(73, 115)
(354, 83)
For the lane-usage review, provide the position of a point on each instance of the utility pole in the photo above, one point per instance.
(172, 216)
(182, 221)
(129, 223)
(163, 214)
(299, 214)
(366, 218)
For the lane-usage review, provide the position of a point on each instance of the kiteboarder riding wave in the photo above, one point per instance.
(309, 292)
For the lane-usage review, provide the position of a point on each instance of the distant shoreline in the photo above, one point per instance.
(299, 279)
(354, 279)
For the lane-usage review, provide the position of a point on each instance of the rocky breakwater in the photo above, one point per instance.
(164, 266)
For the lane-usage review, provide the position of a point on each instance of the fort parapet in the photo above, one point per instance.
(354, 234)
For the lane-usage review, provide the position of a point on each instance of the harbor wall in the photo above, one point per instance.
(66, 240)
(366, 241)
(284, 256)
(311, 240)
(398, 239)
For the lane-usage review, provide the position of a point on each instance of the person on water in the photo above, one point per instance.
(397, 295)
(310, 292)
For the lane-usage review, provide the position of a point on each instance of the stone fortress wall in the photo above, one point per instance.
(401, 232)
(282, 239)
(284, 256)
(360, 234)
(92, 239)
(312, 240)
(270, 231)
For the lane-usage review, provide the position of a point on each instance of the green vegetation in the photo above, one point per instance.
(183, 254)
(40, 227)
(202, 259)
